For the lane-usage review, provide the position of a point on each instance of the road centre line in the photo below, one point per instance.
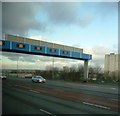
(92, 86)
(113, 88)
(47, 112)
(34, 91)
(22, 86)
(96, 105)
(114, 99)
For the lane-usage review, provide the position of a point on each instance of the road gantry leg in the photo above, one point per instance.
(86, 70)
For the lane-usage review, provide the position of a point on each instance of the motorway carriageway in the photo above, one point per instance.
(21, 96)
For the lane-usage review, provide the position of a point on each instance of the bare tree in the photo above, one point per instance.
(98, 69)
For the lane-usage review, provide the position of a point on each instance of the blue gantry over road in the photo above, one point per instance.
(20, 46)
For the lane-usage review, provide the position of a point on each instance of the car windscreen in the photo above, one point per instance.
(39, 77)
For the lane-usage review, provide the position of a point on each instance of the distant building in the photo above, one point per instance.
(111, 65)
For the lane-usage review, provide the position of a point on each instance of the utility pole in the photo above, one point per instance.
(17, 65)
(53, 68)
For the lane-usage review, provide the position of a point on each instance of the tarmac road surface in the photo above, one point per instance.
(21, 96)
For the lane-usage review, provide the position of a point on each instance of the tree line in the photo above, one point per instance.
(72, 73)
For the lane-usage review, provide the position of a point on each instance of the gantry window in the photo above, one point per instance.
(38, 48)
(53, 50)
(20, 45)
(65, 52)
(2, 43)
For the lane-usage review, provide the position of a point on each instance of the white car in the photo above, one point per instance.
(39, 79)
(3, 77)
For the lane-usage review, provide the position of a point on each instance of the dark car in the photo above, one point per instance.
(3, 77)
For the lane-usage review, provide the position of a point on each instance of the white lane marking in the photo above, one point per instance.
(34, 91)
(113, 88)
(114, 99)
(96, 105)
(47, 112)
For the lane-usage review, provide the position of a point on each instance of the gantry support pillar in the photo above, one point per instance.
(86, 70)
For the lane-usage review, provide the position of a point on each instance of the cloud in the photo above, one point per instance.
(98, 54)
(62, 12)
(69, 13)
(19, 18)
(86, 20)
(44, 39)
(106, 8)
(26, 61)
(11, 56)
(38, 38)
(25, 57)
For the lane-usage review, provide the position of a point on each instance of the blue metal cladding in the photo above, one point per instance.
(86, 56)
(4, 44)
(38, 49)
(90, 56)
(52, 51)
(16, 48)
(64, 53)
(10, 46)
(75, 55)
